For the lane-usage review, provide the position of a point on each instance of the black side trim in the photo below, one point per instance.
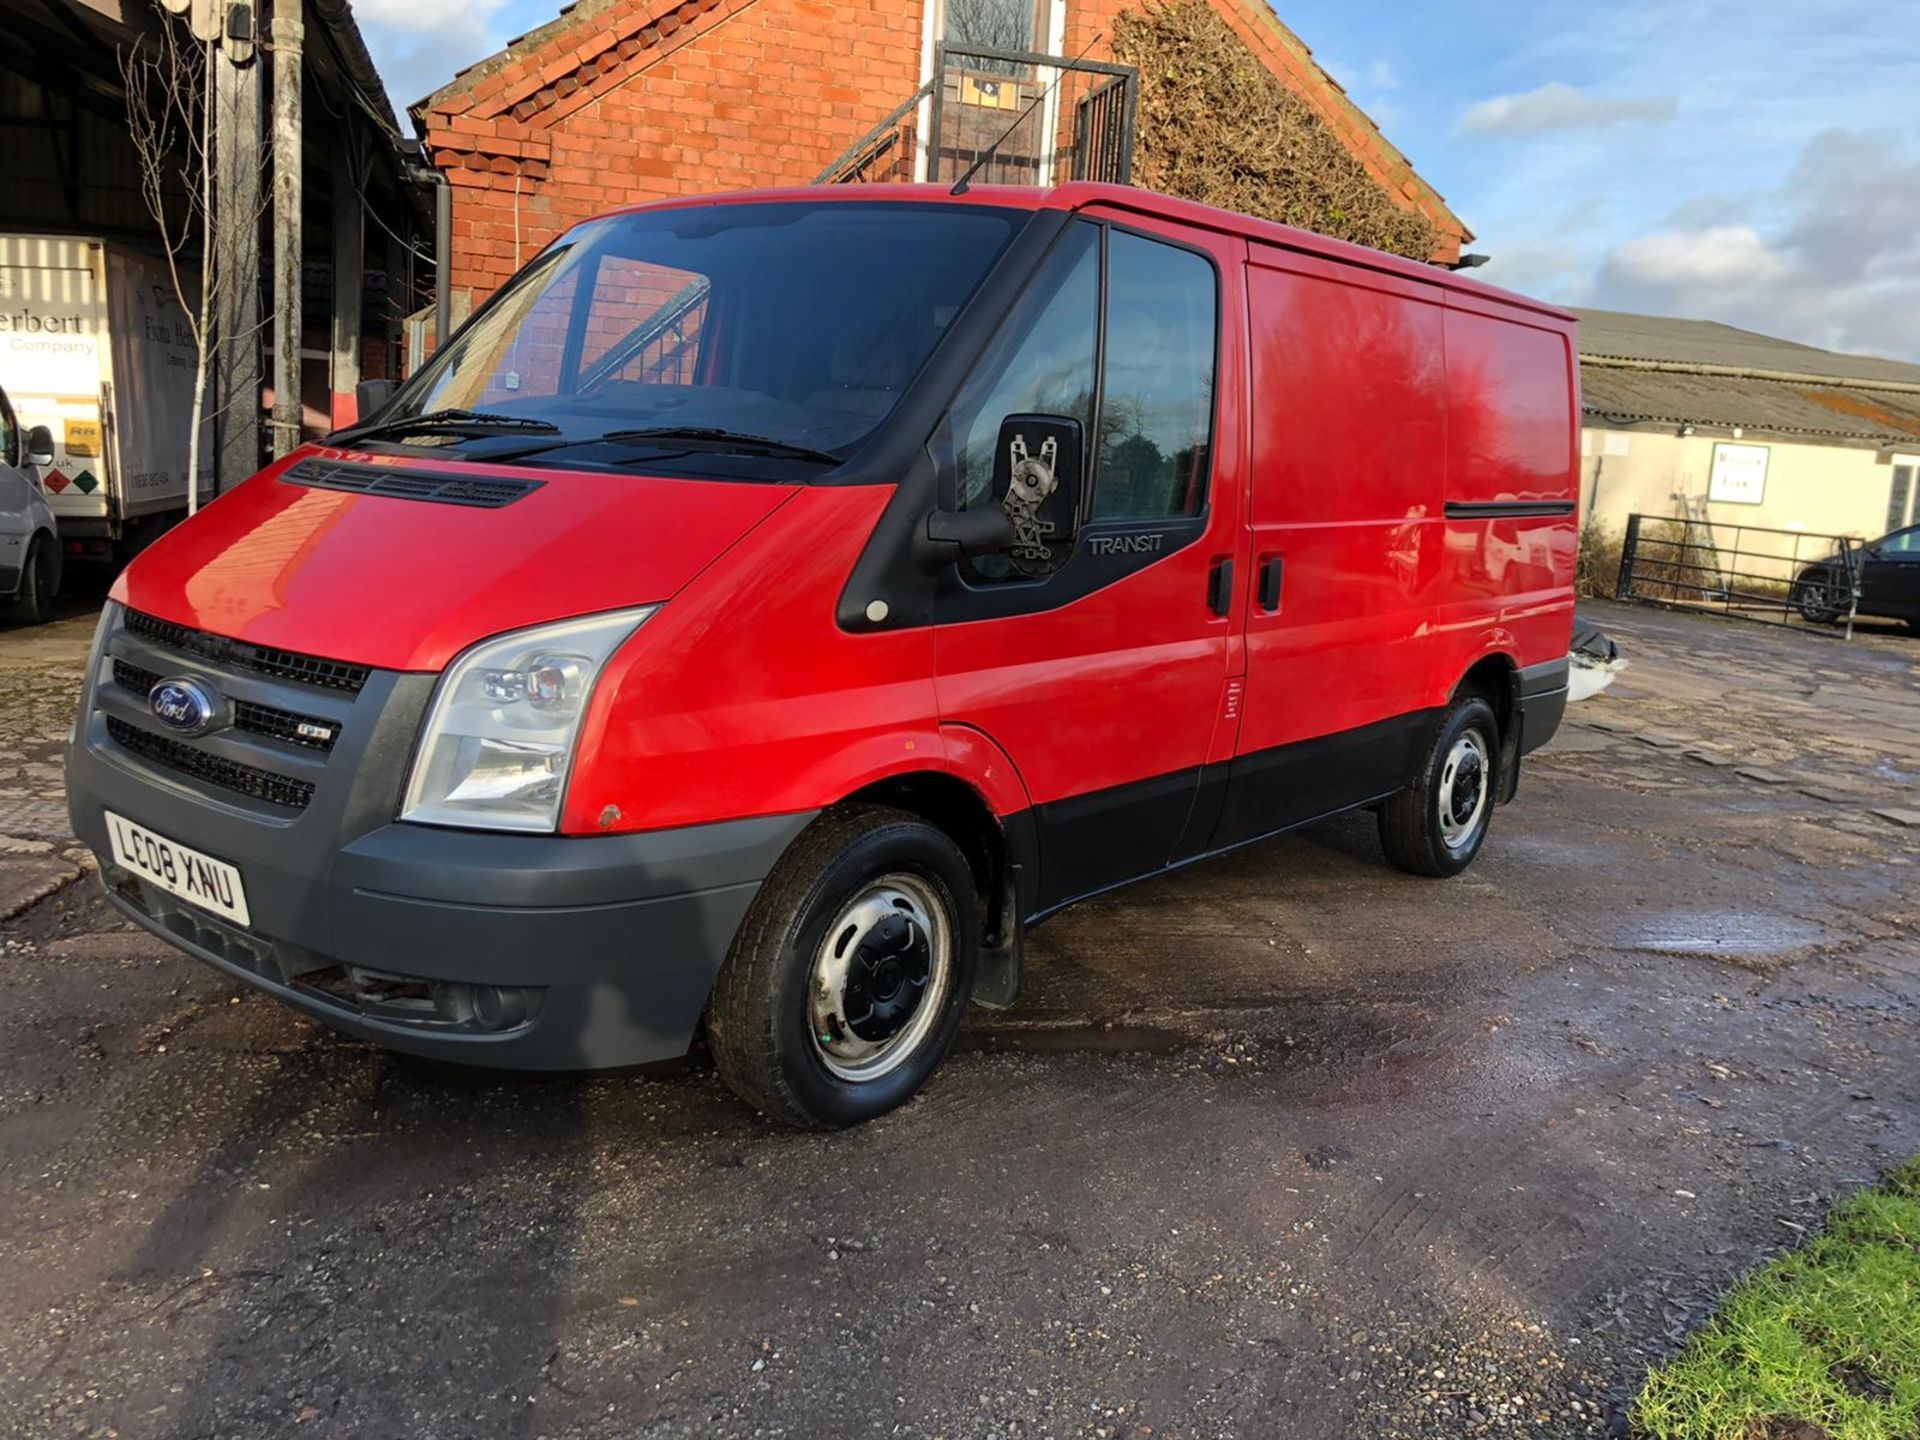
(1106, 837)
(1287, 785)
(1547, 675)
(1506, 509)
(1089, 844)
(406, 483)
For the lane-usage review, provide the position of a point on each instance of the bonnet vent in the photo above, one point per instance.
(477, 492)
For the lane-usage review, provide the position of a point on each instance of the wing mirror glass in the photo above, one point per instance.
(39, 446)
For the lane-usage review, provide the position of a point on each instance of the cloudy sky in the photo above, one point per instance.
(1755, 162)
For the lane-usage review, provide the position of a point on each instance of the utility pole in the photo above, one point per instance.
(236, 242)
(349, 271)
(288, 33)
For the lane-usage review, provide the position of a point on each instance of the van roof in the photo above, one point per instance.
(1079, 194)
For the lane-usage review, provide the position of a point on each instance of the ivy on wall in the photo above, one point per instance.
(1215, 125)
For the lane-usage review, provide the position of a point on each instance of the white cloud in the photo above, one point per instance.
(1716, 256)
(419, 45)
(1559, 106)
(1831, 257)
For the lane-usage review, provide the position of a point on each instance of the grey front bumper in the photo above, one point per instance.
(523, 951)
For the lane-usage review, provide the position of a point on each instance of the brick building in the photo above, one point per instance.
(619, 101)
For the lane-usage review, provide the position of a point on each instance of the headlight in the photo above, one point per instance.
(500, 734)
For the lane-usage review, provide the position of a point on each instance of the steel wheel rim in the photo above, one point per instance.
(880, 978)
(1813, 599)
(1465, 783)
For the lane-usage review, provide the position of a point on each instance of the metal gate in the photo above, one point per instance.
(1779, 576)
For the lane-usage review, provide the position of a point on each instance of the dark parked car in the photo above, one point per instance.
(1889, 581)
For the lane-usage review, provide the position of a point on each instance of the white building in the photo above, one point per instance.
(1696, 419)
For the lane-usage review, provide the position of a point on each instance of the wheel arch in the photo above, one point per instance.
(1495, 678)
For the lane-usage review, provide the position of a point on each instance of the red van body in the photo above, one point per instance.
(1304, 542)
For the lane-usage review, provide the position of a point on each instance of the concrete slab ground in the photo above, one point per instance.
(1289, 1144)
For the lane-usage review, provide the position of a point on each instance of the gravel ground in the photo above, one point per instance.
(1289, 1143)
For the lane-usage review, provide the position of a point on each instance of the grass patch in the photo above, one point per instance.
(1820, 1344)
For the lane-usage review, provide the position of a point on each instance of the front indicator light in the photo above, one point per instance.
(501, 731)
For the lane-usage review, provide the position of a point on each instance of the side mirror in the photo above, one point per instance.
(39, 446)
(370, 397)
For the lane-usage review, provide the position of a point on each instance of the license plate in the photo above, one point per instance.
(179, 870)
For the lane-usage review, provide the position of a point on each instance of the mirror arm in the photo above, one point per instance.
(950, 536)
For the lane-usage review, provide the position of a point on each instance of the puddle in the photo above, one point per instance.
(1723, 932)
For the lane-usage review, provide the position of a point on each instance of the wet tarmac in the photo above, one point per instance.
(1285, 1144)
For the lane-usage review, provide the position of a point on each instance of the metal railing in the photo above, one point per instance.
(1037, 119)
(1750, 571)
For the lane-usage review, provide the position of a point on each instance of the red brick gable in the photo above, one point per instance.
(617, 101)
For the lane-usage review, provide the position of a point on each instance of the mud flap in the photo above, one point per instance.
(997, 980)
(1509, 772)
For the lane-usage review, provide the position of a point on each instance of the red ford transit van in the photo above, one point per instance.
(768, 607)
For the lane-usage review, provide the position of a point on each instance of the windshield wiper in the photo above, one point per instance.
(453, 421)
(713, 437)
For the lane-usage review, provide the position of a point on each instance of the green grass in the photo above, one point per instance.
(1825, 1339)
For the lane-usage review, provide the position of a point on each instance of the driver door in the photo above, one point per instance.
(1890, 584)
(1104, 669)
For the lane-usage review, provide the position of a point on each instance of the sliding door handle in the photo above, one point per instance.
(1272, 571)
(1220, 587)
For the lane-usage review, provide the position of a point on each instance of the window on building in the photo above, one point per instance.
(995, 24)
(1901, 506)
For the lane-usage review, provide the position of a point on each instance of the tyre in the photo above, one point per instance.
(850, 974)
(1437, 825)
(1816, 597)
(32, 603)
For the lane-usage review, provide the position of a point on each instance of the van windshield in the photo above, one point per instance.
(790, 327)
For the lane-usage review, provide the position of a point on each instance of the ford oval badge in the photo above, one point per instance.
(182, 705)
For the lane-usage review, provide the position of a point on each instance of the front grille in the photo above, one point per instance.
(304, 730)
(308, 731)
(481, 493)
(265, 660)
(210, 769)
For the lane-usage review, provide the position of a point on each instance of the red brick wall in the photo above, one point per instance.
(621, 101)
(646, 99)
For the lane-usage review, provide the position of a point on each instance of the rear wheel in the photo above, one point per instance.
(32, 603)
(848, 979)
(1436, 825)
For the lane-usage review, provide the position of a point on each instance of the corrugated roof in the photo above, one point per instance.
(1618, 335)
(1781, 407)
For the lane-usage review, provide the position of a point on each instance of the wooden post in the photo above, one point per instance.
(236, 241)
(288, 34)
(349, 241)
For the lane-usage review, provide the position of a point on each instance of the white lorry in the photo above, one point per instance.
(95, 346)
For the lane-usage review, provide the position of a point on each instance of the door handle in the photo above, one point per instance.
(1220, 587)
(1272, 571)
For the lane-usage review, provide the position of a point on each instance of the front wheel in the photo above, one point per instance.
(32, 603)
(1437, 824)
(1817, 598)
(849, 977)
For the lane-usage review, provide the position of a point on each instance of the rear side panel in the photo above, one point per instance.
(1511, 467)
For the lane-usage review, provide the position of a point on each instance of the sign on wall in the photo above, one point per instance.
(1739, 474)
